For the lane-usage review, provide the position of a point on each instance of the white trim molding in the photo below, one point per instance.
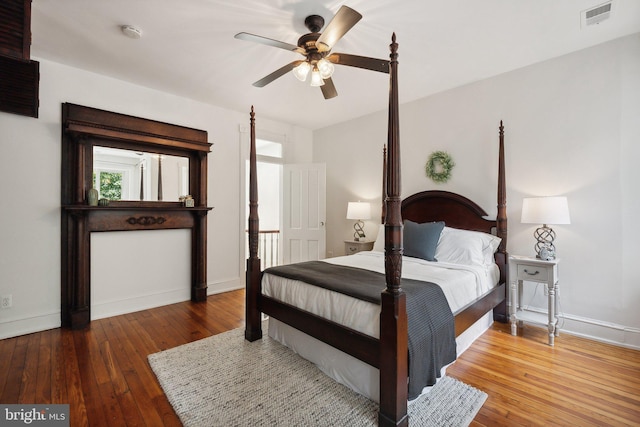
(597, 330)
(226, 285)
(28, 325)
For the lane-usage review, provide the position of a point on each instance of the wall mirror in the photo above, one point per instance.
(120, 174)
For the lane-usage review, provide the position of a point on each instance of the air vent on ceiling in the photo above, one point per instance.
(596, 14)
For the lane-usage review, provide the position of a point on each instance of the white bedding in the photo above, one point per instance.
(461, 285)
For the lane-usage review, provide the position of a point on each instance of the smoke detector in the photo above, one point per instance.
(596, 14)
(131, 31)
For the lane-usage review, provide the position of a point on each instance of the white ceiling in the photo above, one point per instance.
(188, 46)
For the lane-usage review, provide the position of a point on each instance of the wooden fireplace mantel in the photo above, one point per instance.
(82, 129)
(123, 218)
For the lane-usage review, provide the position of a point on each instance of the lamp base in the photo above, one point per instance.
(359, 233)
(545, 250)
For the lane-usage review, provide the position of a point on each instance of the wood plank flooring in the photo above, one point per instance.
(102, 372)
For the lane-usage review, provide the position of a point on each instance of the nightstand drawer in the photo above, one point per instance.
(353, 247)
(533, 272)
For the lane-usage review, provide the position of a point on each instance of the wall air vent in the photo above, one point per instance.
(597, 14)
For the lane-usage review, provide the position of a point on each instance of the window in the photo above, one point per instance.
(266, 148)
(108, 184)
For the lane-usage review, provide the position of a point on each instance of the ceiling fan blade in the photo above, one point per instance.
(269, 42)
(374, 64)
(342, 22)
(328, 89)
(277, 73)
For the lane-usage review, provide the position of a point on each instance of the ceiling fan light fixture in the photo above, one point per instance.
(302, 71)
(316, 78)
(326, 68)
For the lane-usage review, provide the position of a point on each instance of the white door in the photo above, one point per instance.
(304, 212)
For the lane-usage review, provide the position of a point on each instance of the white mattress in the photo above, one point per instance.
(461, 284)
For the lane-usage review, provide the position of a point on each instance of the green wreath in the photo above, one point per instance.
(439, 166)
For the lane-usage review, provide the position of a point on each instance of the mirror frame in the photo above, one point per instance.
(86, 127)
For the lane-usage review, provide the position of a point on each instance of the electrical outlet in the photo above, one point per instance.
(6, 301)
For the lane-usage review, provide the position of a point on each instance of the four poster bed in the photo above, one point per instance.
(374, 338)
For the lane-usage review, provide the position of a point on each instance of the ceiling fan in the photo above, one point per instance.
(316, 48)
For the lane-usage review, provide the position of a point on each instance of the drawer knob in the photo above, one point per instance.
(530, 273)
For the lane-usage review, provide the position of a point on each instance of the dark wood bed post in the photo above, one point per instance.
(500, 311)
(253, 327)
(384, 184)
(393, 317)
(502, 195)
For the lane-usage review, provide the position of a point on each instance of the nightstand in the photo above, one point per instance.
(353, 246)
(528, 269)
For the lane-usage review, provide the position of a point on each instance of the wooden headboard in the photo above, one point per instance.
(455, 210)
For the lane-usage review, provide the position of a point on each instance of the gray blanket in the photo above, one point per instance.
(432, 342)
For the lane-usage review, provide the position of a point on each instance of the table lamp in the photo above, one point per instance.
(545, 211)
(358, 211)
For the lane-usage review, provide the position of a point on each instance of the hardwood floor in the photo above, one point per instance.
(577, 382)
(102, 372)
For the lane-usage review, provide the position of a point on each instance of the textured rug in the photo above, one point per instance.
(224, 380)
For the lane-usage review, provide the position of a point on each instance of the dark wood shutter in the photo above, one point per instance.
(15, 28)
(19, 76)
(19, 83)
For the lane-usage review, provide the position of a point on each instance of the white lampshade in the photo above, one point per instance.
(316, 78)
(326, 68)
(302, 70)
(359, 210)
(545, 210)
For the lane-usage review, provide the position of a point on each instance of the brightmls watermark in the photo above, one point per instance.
(35, 415)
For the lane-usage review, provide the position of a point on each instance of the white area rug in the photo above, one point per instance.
(224, 380)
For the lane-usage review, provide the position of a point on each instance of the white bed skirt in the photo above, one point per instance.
(348, 370)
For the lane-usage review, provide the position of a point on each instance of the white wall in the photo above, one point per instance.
(30, 162)
(571, 128)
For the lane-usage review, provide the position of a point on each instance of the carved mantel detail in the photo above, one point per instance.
(146, 220)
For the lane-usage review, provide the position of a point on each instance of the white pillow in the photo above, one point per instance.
(379, 243)
(466, 247)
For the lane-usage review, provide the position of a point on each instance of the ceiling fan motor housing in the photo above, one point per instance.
(308, 43)
(314, 23)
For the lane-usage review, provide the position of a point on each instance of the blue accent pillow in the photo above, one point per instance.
(421, 240)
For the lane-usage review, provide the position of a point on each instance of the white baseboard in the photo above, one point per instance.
(16, 327)
(130, 305)
(21, 326)
(142, 302)
(225, 285)
(597, 330)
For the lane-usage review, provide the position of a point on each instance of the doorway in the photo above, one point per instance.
(291, 207)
